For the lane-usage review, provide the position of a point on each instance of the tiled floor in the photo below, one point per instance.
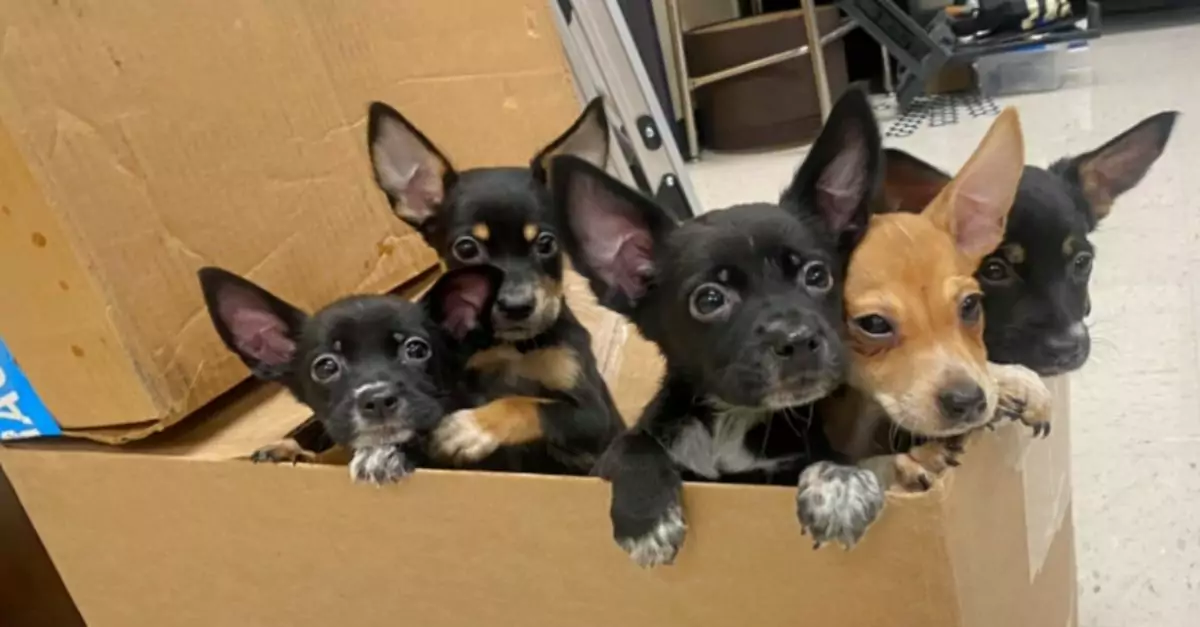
(1136, 405)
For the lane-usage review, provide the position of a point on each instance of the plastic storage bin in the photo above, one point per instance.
(1039, 67)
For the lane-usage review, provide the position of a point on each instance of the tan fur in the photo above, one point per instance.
(481, 231)
(1068, 247)
(1014, 253)
(915, 270)
(530, 232)
(511, 420)
(555, 367)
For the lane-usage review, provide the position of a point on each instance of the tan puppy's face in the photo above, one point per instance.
(913, 308)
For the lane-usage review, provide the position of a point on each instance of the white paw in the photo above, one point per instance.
(837, 503)
(659, 547)
(379, 465)
(460, 438)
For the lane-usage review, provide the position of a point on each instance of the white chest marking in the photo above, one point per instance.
(723, 450)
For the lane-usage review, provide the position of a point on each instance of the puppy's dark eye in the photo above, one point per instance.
(326, 369)
(817, 277)
(1081, 266)
(546, 245)
(995, 270)
(874, 325)
(709, 302)
(467, 249)
(416, 350)
(971, 308)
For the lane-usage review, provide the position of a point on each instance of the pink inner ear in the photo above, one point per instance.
(424, 191)
(842, 184)
(616, 244)
(257, 332)
(463, 303)
(978, 229)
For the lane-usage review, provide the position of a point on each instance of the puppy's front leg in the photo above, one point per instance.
(647, 515)
(1023, 396)
(287, 450)
(837, 502)
(469, 435)
(919, 468)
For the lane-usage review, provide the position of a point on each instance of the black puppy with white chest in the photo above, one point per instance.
(745, 304)
(1036, 283)
(379, 372)
(542, 404)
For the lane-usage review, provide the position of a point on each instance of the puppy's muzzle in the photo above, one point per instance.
(963, 402)
(1068, 349)
(378, 402)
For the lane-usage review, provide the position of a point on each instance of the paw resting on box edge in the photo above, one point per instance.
(661, 544)
(837, 503)
(380, 465)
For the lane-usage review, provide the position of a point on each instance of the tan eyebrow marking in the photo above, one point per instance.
(481, 231)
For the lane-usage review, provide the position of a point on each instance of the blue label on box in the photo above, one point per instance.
(22, 413)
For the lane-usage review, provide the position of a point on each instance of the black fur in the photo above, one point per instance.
(377, 371)
(740, 376)
(503, 216)
(1036, 284)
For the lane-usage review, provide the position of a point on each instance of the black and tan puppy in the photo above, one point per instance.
(1036, 282)
(379, 372)
(542, 402)
(745, 304)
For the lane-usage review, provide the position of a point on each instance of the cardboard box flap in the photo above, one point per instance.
(150, 139)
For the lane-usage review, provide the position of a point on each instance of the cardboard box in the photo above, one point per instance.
(182, 531)
(141, 140)
(31, 592)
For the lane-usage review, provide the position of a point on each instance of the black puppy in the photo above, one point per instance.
(745, 304)
(1036, 283)
(543, 404)
(377, 371)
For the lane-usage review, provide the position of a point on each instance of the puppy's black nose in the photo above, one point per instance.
(378, 402)
(792, 341)
(514, 308)
(962, 401)
(1070, 341)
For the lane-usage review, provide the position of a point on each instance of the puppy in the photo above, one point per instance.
(543, 404)
(1036, 282)
(916, 324)
(746, 306)
(377, 371)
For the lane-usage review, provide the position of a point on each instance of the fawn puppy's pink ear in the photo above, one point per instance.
(973, 208)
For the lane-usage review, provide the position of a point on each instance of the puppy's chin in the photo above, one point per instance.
(778, 397)
(918, 421)
(801, 395)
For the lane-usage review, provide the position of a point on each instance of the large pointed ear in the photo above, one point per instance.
(460, 300)
(1119, 165)
(840, 176)
(408, 167)
(587, 139)
(611, 232)
(974, 207)
(910, 184)
(259, 327)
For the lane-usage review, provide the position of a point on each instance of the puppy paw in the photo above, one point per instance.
(379, 465)
(282, 452)
(920, 468)
(1024, 397)
(837, 503)
(462, 438)
(660, 546)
